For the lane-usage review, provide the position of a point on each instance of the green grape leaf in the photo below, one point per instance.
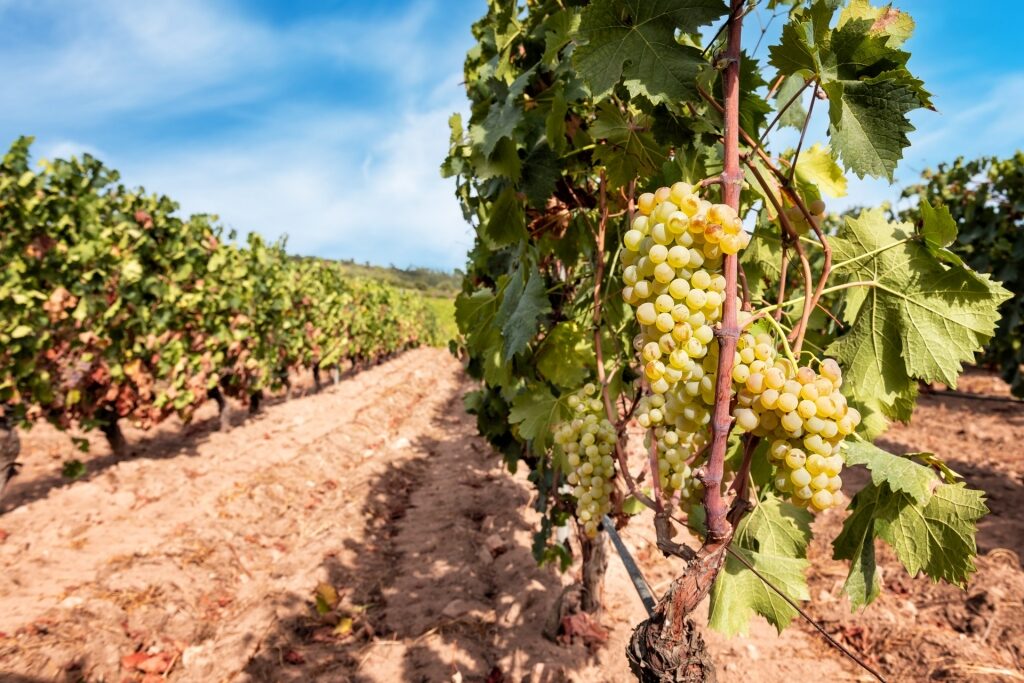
(936, 537)
(939, 231)
(900, 472)
(888, 20)
(869, 123)
(802, 41)
(559, 29)
(773, 539)
(627, 150)
(554, 124)
(635, 41)
(501, 122)
(541, 172)
(566, 355)
(506, 223)
(535, 410)
(912, 316)
(504, 162)
(860, 67)
(856, 542)
(520, 312)
(473, 314)
(796, 113)
(816, 166)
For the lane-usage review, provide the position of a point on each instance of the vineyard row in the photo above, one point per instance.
(114, 307)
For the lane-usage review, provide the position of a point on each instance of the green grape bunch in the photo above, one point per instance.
(677, 295)
(672, 263)
(587, 442)
(805, 415)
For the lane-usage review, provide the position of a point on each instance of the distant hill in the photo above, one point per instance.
(432, 283)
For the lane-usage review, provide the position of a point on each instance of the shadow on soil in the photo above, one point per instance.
(171, 440)
(400, 589)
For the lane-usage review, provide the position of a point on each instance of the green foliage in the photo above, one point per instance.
(914, 317)
(973, 210)
(427, 281)
(112, 306)
(863, 72)
(575, 109)
(73, 469)
(773, 539)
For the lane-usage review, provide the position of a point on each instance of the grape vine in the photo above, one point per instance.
(114, 307)
(760, 345)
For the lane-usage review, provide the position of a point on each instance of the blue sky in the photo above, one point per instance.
(327, 120)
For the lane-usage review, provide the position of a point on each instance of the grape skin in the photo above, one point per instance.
(587, 442)
(807, 418)
(672, 258)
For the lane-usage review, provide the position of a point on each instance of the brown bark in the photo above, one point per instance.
(595, 565)
(668, 647)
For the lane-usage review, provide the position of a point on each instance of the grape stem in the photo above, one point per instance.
(784, 270)
(786, 185)
(829, 290)
(803, 132)
(794, 238)
(785, 342)
(789, 103)
(719, 529)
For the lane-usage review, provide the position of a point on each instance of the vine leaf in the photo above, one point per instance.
(628, 150)
(559, 29)
(869, 123)
(541, 171)
(520, 311)
(535, 410)
(565, 355)
(635, 41)
(506, 223)
(939, 231)
(934, 537)
(864, 74)
(897, 25)
(816, 166)
(773, 539)
(475, 313)
(914, 318)
(900, 472)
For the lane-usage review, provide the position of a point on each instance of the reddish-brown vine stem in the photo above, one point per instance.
(728, 332)
(794, 238)
(783, 273)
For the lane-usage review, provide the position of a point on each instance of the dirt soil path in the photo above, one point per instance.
(366, 533)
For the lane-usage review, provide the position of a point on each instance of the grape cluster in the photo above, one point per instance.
(588, 441)
(805, 416)
(672, 260)
(799, 221)
(675, 445)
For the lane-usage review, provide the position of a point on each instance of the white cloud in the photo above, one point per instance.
(64, 149)
(341, 181)
(108, 56)
(303, 179)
